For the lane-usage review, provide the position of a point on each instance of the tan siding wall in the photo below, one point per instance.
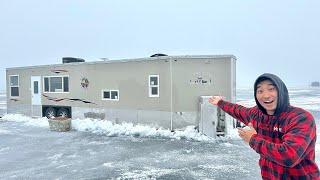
(131, 79)
(186, 95)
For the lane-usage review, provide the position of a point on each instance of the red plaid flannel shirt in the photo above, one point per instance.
(286, 143)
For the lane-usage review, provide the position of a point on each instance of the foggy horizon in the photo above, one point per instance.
(276, 37)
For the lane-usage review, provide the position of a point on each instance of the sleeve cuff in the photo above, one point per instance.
(252, 141)
(220, 103)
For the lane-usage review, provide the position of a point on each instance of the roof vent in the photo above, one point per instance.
(104, 59)
(158, 55)
(71, 60)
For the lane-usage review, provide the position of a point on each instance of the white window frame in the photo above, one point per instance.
(18, 86)
(151, 86)
(109, 99)
(62, 84)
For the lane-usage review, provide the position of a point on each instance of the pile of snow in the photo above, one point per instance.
(110, 129)
(128, 129)
(39, 122)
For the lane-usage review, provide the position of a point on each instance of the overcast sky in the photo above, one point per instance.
(281, 37)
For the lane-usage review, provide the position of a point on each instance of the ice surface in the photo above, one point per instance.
(97, 149)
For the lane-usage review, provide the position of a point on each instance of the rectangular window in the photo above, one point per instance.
(65, 84)
(35, 87)
(106, 95)
(112, 95)
(14, 85)
(154, 86)
(56, 84)
(14, 91)
(46, 84)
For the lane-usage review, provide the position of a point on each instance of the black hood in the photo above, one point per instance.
(283, 95)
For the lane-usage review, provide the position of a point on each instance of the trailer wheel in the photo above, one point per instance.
(63, 112)
(50, 113)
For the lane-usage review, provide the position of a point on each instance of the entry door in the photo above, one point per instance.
(208, 117)
(36, 90)
(36, 108)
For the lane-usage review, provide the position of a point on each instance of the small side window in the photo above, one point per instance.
(154, 86)
(112, 95)
(14, 85)
(106, 95)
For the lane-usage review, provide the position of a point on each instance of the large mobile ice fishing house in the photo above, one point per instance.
(161, 91)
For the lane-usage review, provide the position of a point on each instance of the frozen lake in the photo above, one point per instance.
(28, 150)
(37, 153)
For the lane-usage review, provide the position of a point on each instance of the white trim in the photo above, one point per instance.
(18, 86)
(109, 99)
(171, 96)
(151, 86)
(233, 80)
(62, 76)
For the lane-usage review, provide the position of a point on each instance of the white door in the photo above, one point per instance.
(208, 117)
(36, 108)
(35, 90)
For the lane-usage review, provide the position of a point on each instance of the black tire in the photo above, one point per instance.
(63, 112)
(50, 113)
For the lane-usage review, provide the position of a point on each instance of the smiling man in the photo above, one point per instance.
(283, 135)
(267, 96)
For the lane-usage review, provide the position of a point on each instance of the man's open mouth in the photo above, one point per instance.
(268, 102)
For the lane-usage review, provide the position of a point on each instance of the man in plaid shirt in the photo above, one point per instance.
(283, 135)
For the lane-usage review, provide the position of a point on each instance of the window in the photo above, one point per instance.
(112, 95)
(14, 85)
(153, 85)
(56, 84)
(65, 84)
(35, 87)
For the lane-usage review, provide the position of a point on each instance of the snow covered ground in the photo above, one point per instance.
(29, 150)
(101, 150)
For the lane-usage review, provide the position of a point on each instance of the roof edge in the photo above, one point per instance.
(132, 60)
